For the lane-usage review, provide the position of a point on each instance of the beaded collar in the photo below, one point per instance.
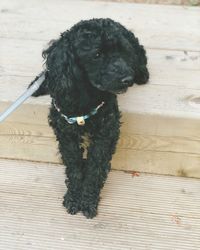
(79, 119)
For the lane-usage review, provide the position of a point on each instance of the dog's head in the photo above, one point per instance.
(97, 52)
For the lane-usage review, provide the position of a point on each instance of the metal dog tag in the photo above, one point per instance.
(80, 120)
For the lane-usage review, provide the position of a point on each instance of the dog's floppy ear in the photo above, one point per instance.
(141, 71)
(58, 60)
(63, 70)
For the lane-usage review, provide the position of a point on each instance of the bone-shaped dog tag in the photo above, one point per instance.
(80, 120)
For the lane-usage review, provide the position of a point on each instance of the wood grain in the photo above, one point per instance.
(146, 212)
(176, 2)
(153, 154)
(183, 66)
(171, 27)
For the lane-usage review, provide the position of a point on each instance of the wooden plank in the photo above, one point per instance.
(170, 142)
(128, 140)
(176, 2)
(164, 100)
(173, 151)
(171, 28)
(179, 93)
(149, 161)
(170, 101)
(26, 135)
(158, 162)
(157, 212)
(183, 66)
(34, 118)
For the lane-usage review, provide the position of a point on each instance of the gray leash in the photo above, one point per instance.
(23, 97)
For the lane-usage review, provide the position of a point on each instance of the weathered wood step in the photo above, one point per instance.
(161, 120)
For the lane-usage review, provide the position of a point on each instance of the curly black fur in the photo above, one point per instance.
(92, 62)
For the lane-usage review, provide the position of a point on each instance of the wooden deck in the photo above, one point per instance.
(160, 133)
(147, 212)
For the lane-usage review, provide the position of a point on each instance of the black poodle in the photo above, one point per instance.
(85, 69)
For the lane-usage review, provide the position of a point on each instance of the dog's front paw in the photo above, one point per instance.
(71, 203)
(89, 211)
(89, 208)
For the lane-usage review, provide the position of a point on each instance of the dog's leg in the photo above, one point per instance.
(98, 165)
(71, 152)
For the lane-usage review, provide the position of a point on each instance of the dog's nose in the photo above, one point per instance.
(128, 80)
